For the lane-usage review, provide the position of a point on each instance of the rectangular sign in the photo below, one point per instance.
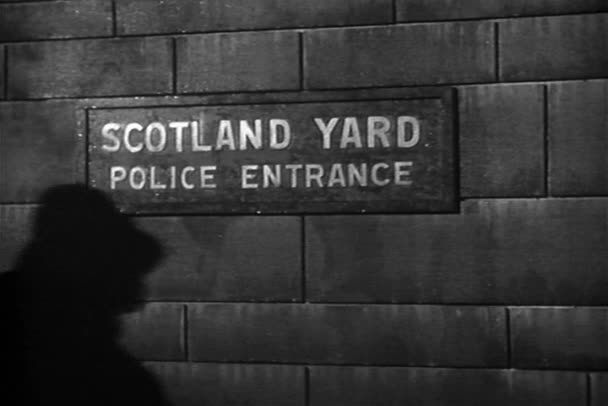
(363, 156)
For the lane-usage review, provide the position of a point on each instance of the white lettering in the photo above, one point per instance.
(374, 175)
(415, 137)
(153, 181)
(350, 133)
(374, 131)
(207, 178)
(129, 128)
(401, 173)
(275, 123)
(173, 176)
(246, 176)
(162, 137)
(185, 172)
(293, 168)
(336, 176)
(107, 132)
(117, 174)
(198, 140)
(225, 136)
(358, 175)
(135, 172)
(179, 127)
(247, 134)
(326, 130)
(314, 172)
(270, 177)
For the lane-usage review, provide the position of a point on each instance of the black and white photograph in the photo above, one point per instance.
(304, 202)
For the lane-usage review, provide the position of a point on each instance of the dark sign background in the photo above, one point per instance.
(432, 173)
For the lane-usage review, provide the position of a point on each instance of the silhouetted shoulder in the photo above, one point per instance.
(83, 268)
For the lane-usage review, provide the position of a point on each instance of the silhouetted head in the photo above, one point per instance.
(86, 254)
(83, 267)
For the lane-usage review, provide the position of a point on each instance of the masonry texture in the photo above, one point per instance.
(504, 302)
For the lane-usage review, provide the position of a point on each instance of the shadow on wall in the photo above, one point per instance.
(83, 268)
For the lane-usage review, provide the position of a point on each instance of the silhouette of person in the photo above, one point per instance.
(83, 268)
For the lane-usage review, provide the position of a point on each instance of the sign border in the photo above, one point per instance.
(451, 204)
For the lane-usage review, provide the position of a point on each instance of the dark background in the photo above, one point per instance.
(503, 303)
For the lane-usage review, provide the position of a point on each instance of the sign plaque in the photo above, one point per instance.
(312, 157)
